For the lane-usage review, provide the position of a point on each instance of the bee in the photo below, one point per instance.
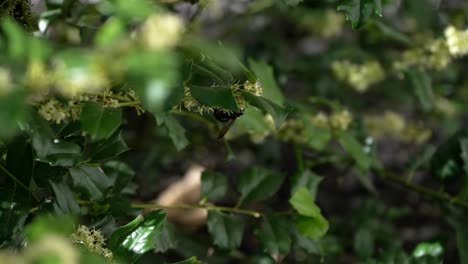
(227, 117)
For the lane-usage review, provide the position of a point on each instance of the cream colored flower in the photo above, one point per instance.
(341, 120)
(360, 77)
(54, 111)
(161, 31)
(38, 77)
(457, 41)
(93, 240)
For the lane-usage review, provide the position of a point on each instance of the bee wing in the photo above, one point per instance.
(225, 128)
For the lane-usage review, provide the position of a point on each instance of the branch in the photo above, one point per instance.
(16, 180)
(426, 192)
(207, 207)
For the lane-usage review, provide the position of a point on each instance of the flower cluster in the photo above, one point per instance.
(394, 125)
(294, 129)
(328, 24)
(161, 31)
(457, 41)
(434, 55)
(57, 111)
(93, 240)
(360, 77)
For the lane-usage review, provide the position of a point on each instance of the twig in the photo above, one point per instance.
(13, 177)
(207, 207)
(429, 193)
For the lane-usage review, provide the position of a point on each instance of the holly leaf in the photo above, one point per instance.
(275, 235)
(226, 230)
(360, 11)
(131, 241)
(214, 185)
(257, 184)
(91, 180)
(100, 122)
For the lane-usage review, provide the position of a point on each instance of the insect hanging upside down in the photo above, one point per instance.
(227, 117)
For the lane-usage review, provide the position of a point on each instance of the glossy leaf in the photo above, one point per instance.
(65, 202)
(275, 235)
(428, 249)
(56, 152)
(276, 111)
(91, 180)
(257, 184)
(220, 97)
(264, 73)
(119, 174)
(360, 11)
(167, 240)
(226, 230)
(131, 241)
(312, 227)
(214, 185)
(100, 122)
(109, 148)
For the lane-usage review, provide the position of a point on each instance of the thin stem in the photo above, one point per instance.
(429, 193)
(132, 103)
(299, 157)
(13, 177)
(207, 207)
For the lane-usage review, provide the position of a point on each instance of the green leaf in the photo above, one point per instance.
(310, 221)
(275, 235)
(174, 129)
(421, 82)
(307, 179)
(220, 97)
(364, 242)
(447, 164)
(226, 230)
(167, 240)
(12, 113)
(91, 180)
(355, 149)
(253, 121)
(100, 122)
(312, 227)
(360, 11)
(317, 137)
(52, 150)
(257, 184)
(109, 148)
(304, 203)
(214, 185)
(110, 33)
(264, 73)
(65, 203)
(131, 241)
(276, 111)
(119, 174)
(428, 249)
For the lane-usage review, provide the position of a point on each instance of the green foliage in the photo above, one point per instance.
(313, 141)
